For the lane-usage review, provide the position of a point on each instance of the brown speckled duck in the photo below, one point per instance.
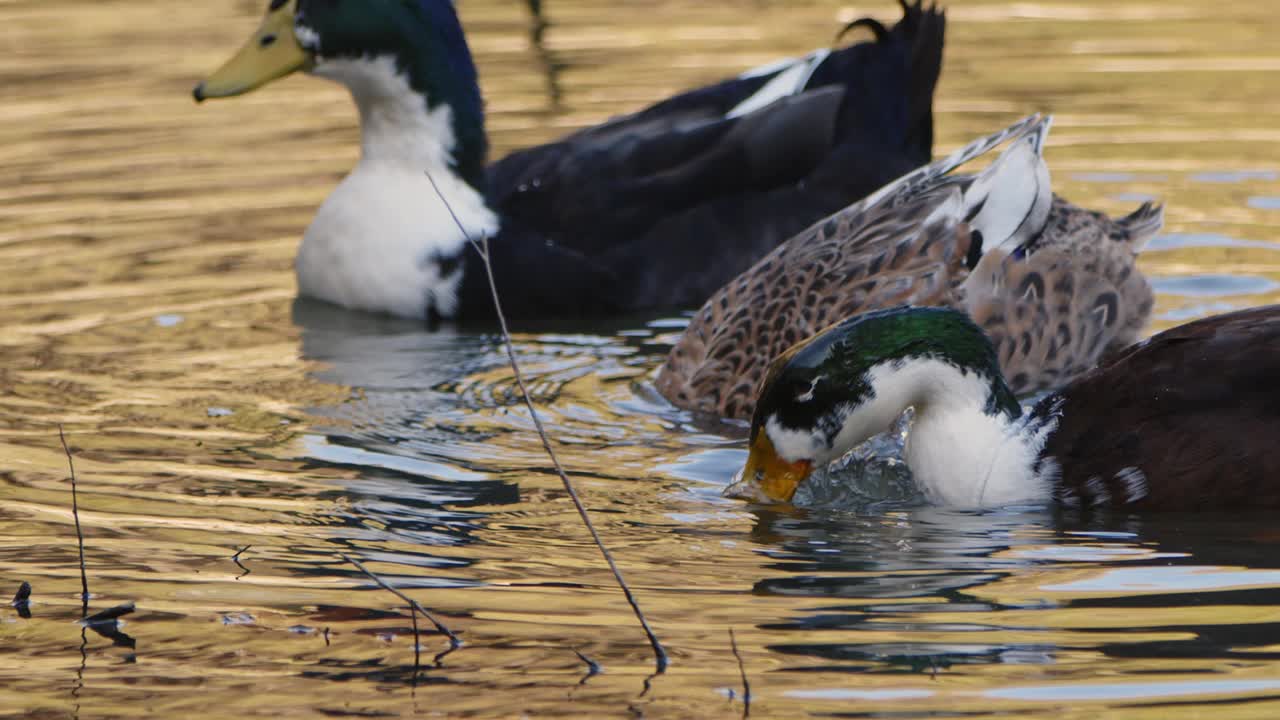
(1053, 285)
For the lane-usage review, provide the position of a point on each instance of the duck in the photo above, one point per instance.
(1054, 285)
(1184, 421)
(655, 209)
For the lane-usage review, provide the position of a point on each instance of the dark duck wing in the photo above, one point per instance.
(662, 207)
(1189, 419)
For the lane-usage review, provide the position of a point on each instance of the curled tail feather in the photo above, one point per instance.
(1143, 224)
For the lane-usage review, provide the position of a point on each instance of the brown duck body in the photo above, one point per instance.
(1075, 296)
(1052, 303)
(1188, 420)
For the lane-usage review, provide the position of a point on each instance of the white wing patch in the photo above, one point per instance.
(1013, 196)
(1135, 483)
(924, 178)
(793, 78)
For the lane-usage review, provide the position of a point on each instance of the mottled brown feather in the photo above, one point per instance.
(1087, 295)
(853, 262)
(1054, 313)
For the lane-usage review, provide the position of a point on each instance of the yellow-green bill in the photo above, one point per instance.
(270, 53)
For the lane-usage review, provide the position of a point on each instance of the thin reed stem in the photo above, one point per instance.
(742, 669)
(414, 607)
(75, 513)
(482, 247)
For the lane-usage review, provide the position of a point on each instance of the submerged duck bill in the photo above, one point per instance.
(767, 477)
(272, 52)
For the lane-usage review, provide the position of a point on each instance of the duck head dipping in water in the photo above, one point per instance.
(1167, 424)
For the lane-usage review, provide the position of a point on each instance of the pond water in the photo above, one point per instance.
(146, 305)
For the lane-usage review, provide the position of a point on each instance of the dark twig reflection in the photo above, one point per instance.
(22, 601)
(742, 670)
(75, 513)
(236, 559)
(107, 624)
(593, 667)
(413, 615)
(481, 246)
(414, 605)
(110, 614)
(84, 661)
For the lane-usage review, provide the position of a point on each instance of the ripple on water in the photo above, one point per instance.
(147, 247)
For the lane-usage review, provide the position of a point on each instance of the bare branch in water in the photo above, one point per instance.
(742, 669)
(593, 667)
(482, 247)
(110, 614)
(236, 559)
(107, 624)
(413, 614)
(22, 601)
(414, 607)
(75, 513)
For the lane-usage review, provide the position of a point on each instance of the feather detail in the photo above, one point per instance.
(790, 81)
(849, 264)
(1165, 425)
(1010, 199)
(1054, 285)
(1054, 312)
(1142, 224)
(934, 173)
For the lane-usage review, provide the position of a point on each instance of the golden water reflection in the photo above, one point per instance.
(147, 307)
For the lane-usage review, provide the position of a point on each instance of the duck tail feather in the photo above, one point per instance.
(1143, 224)
(924, 29)
(1009, 201)
(790, 78)
(925, 178)
(876, 27)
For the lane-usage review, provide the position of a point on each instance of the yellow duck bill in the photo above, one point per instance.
(767, 477)
(272, 52)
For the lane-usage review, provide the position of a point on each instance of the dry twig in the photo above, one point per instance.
(236, 559)
(742, 669)
(482, 246)
(75, 513)
(593, 667)
(414, 608)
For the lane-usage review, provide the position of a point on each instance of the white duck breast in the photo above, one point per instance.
(377, 241)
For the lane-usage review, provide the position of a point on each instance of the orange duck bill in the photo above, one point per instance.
(767, 477)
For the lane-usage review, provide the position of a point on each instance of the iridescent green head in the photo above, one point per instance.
(830, 393)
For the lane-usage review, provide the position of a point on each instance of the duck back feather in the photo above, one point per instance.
(1060, 302)
(990, 244)
(664, 206)
(1186, 420)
